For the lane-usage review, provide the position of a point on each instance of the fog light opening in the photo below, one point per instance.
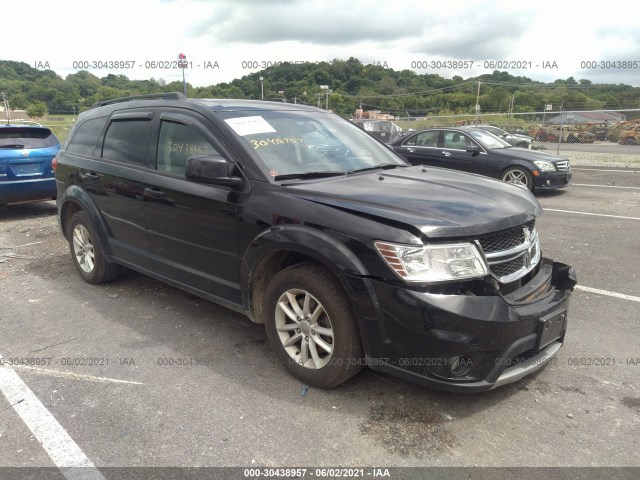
(460, 366)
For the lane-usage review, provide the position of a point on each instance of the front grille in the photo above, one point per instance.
(504, 239)
(511, 253)
(507, 268)
(562, 165)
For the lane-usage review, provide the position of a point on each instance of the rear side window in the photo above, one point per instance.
(127, 141)
(86, 137)
(424, 139)
(27, 138)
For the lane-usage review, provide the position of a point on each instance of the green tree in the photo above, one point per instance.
(38, 109)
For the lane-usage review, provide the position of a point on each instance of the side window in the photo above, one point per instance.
(427, 139)
(127, 141)
(456, 140)
(85, 139)
(178, 142)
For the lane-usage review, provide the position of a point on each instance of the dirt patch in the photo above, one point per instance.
(632, 402)
(408, 430)
(30, 240)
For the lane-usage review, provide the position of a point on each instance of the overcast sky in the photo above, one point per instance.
(240, 35)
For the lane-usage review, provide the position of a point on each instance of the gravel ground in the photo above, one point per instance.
(597, 159)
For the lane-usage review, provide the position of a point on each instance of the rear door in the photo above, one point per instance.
(114, 178)
(422, 149)
(192, 227)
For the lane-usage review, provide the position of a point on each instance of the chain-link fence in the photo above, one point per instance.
(588, 126)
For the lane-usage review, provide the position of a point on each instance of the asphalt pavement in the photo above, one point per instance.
(140, 374)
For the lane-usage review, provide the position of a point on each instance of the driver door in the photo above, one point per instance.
(192, 227)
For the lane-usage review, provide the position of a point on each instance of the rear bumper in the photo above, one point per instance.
(26, 190)
(465, 343)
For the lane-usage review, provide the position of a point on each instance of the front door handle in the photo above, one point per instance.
(446, 154)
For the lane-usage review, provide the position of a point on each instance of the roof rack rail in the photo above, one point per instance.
(148, 96)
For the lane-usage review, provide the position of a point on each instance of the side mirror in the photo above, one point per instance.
(474, 149)
(213, 169)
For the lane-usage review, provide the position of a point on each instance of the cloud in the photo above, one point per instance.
(489, 36)
(323, 23)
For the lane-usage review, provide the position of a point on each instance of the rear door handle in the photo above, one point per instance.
(446, 154)
(408, 150)
(153, 193)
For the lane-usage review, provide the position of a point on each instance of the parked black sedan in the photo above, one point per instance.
(477, 151)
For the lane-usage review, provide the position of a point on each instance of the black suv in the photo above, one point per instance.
(297, 218)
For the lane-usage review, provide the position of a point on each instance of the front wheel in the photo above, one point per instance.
(311, 326)
(86, 251)
(518, 176)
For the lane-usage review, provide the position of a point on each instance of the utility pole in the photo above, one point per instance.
(182, 63)
(5, 99)
(262, 88)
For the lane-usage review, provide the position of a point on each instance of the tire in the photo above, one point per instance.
(323, 359)
(572, 139)
(542, 137)
(86, 251)
(518, 176)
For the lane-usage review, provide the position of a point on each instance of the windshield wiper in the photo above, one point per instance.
(384, 166)
(290, 176)
(16, 145)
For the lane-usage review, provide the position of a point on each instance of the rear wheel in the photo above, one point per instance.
(518, 176)
(311, 326)
(86, 251)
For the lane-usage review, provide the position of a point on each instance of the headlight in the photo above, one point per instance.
(433, 263)
(545, 166)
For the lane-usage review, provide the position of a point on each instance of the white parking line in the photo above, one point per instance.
(608, 293)
(75, 376)
(65, 453)
(588, 213)
(602, 186)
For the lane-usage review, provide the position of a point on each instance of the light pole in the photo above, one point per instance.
(262, 88)
(327, 92)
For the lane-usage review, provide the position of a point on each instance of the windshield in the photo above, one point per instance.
(489, 140)
(26, 138)
(299, 142)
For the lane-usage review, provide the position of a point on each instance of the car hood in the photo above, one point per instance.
(437, 202)
(526, 154)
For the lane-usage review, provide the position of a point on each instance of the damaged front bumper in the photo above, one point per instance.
(464, 342)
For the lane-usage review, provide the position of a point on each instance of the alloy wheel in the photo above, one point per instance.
(304, 328)
(83, 248)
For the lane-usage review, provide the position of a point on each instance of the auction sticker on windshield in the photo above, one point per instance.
(244, 126)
